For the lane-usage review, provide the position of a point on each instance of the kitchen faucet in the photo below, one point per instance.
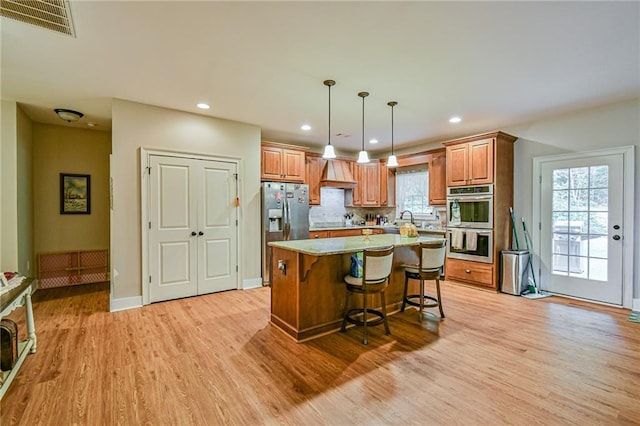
(406, 211)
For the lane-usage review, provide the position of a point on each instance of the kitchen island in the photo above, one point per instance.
(307, 287)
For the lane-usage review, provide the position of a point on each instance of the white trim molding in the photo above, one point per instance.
(636, 305)
(125, 303)
(249, 283)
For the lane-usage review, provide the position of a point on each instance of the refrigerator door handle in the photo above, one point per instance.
(285, 220)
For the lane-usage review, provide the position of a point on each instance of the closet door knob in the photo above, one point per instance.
(193, 234)
(200, 233)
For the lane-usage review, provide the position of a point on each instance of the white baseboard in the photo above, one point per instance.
(250, 283)
(125, 303)
(635, 305)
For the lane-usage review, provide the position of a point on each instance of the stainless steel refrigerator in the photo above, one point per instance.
(285, 216)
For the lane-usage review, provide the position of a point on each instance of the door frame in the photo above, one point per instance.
(628, 159)
(145, 193)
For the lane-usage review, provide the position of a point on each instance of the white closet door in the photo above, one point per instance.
(217, 247)
(173, 218)
(193, 227)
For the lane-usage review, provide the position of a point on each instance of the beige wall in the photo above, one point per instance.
(9, 189)
(138, 126)
(62, 149)
(24, 181)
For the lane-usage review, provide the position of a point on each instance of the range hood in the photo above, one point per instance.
(336, 174)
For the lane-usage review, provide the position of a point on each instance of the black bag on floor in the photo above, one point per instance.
(8, 344)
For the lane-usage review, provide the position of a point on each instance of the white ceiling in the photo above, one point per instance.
(494, 64)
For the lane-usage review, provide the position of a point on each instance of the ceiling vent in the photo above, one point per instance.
(54, 15)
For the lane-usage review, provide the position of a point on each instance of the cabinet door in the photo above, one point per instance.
(438, 180)
(356, 170)
(271, 163)
(313, 175)
(481, 162)
(293, 165)
(457, 165)
(384, 184)
(371, 184)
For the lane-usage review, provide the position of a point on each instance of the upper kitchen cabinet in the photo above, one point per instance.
(469, 163)
(372, 189)
(438, 178)
(280, 162)
(314, 165)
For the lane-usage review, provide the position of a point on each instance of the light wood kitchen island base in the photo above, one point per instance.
(308, 297)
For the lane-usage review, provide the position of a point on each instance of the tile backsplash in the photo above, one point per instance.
(333, 210)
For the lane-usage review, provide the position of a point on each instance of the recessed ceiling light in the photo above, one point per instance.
(202, 105)
(305, 127)
(374, 141)
(91, 124)
(455, 119)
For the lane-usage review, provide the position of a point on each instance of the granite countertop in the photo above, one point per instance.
(328, 246)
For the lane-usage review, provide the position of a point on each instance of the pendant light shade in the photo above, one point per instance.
(392, 161)
(329, 153)
(363, 157)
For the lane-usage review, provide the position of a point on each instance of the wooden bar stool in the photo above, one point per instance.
(376, 269)
(429, 267)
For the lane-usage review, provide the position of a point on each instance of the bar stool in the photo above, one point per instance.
(376, 269)
(431, 261)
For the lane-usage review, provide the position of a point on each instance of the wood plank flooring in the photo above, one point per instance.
(210, 360)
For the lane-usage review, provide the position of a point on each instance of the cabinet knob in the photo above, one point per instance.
(468, 271)
(200, 233)
(193, 234)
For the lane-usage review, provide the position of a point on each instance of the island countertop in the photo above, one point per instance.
(341, 245)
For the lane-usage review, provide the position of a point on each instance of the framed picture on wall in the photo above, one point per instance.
(75, 193)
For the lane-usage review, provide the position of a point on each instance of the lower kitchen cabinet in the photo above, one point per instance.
(335, 233)
(475, 273)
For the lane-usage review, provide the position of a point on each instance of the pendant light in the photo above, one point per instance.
(363, 157)
(392, 161)
(329, 153)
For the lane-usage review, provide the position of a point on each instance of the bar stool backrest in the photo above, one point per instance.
(433, 254)
(377, 264)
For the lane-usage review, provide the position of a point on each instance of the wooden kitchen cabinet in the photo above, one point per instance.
(470, 272)
(318, 234)
(470, 163)
(314, 164)
(372, 189)
(481, 160)
(438, 178)
(280, 162)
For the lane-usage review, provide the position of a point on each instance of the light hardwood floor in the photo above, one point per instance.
(209, 360)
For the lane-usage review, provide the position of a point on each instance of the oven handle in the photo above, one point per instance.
(470, 197)
(478, 231)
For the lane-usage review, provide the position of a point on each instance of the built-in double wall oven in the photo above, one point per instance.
(470, 223)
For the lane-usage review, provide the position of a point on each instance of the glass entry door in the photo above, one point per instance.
(581, 235)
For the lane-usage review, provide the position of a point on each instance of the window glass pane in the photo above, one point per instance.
(579, 200)
(578, 222)
(598, 247)
(412, 192)
(599, 176)
(579, 178)
(598, 269)
(561, 200)
(560, 220)
(599, 200)
(598, 223)
(561, 179)
(578, 266)
(560, 264)
(560, 245)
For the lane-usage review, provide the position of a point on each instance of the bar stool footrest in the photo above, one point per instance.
(425, 305)
(350, 317)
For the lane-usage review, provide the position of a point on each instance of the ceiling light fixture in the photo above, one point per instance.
(329, 153)
(455, 119)
(305, 127)
(202, 105)
(392, 161)
(373, 141)
(69, 115)
(363, 157)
